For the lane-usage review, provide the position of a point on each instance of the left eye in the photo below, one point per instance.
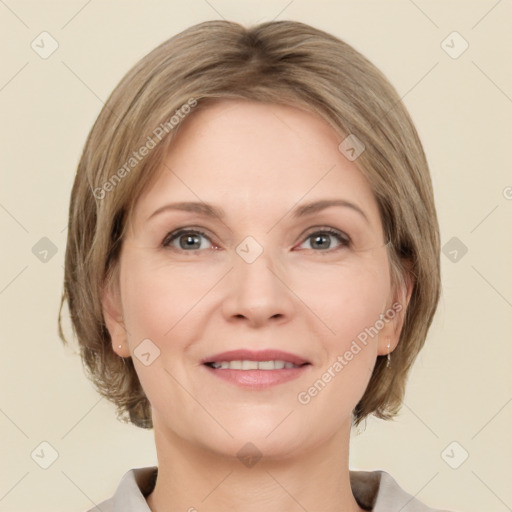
(191, 239)
(320, 239)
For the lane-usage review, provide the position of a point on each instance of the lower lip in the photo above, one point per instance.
(258, 379)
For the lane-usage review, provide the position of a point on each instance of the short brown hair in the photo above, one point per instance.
(283, 62)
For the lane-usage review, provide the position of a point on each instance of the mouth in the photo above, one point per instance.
(256, 370)
(246, 364)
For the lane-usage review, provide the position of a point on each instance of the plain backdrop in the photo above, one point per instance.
(451, 445)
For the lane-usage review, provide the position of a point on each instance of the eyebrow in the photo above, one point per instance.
(304, 210)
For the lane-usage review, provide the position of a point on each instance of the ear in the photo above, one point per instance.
(395, 313)
(112, 313)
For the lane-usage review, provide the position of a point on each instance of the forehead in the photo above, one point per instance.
(252, 157)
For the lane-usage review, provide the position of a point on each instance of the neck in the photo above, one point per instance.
(192, 478)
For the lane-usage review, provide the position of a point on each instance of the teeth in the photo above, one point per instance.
(253, 365)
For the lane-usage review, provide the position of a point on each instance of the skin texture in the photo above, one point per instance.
(258, 162)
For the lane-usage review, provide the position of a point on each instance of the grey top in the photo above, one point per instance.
(375, 491)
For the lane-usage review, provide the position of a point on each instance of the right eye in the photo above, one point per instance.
(188, 240)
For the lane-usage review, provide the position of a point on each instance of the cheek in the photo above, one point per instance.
(347, 299)
(350, 306)
(157, 297)
(158, 304)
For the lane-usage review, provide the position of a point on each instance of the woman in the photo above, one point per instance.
(252, 267)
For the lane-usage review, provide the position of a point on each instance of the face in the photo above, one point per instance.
(263, 275)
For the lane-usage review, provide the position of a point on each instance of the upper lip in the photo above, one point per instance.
(260, 355)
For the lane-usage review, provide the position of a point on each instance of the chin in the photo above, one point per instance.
(270, 437)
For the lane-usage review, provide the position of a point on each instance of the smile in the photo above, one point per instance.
(256, 375)
(252, 365)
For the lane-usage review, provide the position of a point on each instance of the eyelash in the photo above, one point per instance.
(342, 238)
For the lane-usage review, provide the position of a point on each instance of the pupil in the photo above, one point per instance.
(191, 240)
(320, 237)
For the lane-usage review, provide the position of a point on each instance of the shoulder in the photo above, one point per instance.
(378, 491)
(131, 491)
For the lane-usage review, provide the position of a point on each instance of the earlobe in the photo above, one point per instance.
(112, 314)
(390, 334)
(405, 296)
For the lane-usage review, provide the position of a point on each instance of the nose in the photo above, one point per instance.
(258, 292)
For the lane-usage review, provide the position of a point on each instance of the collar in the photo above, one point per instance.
(375, 491)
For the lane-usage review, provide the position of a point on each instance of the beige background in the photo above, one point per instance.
(461, 387)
